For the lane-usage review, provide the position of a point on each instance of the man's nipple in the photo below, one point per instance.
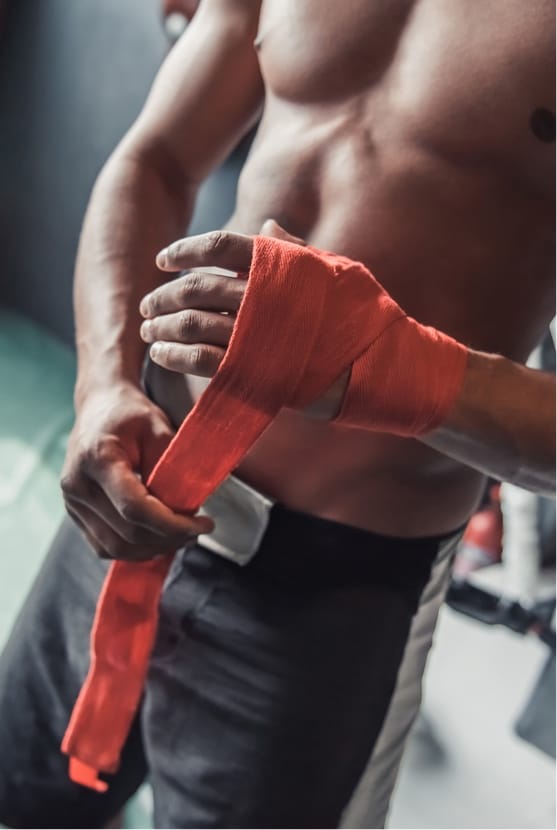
(542, 124)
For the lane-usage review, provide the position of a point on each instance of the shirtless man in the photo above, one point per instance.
(417, 137)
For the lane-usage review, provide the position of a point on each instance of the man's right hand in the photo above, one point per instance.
(118, 437)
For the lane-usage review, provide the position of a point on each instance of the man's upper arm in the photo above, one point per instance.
(206, 95)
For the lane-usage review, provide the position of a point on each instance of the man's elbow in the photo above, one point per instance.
(150, 158)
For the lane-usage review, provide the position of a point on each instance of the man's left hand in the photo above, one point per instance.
(189, 321)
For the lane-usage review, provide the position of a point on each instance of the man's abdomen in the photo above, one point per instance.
(370, 480)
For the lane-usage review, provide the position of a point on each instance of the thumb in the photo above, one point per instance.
(156, 438)
(275, 231)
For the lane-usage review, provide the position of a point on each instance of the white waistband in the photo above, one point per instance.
(241, 515)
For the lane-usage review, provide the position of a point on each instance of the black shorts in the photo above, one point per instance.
(267, 690)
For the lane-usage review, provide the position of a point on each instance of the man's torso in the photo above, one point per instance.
(416, 137)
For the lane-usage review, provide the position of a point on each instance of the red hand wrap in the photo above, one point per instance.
(305, 318)
(406, 382)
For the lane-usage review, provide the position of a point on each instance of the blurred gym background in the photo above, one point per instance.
(73, 75)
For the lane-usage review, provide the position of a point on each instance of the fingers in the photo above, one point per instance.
(111, 535)
(189, 326)
(136, 506)
(207, 292)
(200, 359)
(186, 333)
(117, 513)
(276, 231)
(93, 543)
(189, 342)
(94, 501)
(109, 545)
(117, 433)
(220, 248)
(186, 325)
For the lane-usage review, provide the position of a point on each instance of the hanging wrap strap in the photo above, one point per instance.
(306, 316)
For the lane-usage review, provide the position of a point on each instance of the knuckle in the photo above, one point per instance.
(216, 242)
(237, 289)
(166, 353)
(189, 324)
(196, 357)
(201, 359)
(75, 483)
(190, 285)
(176, 250)
(97, 455)
(90, 459)
(69, 483)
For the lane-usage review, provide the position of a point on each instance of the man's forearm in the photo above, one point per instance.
(133, 212)
(503, 423)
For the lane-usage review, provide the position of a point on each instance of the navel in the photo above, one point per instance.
(542, 124)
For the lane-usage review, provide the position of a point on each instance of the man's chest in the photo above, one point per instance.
(469, 80)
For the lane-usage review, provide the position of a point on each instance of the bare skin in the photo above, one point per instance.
(403, 135)
(502, 420)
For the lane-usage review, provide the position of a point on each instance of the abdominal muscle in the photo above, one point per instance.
(447, 222)
(377, 482)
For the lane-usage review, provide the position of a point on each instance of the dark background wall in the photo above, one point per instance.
(73, 76)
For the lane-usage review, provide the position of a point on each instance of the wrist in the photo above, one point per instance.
(93, 385)
(407, 382)
(103, 369)
(483, 374)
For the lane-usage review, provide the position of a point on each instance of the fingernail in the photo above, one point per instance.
(144, 306)
(155, 350)
(144, 330)
(162, 258)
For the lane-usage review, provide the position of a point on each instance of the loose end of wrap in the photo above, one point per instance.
(86, 776)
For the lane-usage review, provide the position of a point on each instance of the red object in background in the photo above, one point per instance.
(482, 543)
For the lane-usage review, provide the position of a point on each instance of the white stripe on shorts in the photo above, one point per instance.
(369, 805)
